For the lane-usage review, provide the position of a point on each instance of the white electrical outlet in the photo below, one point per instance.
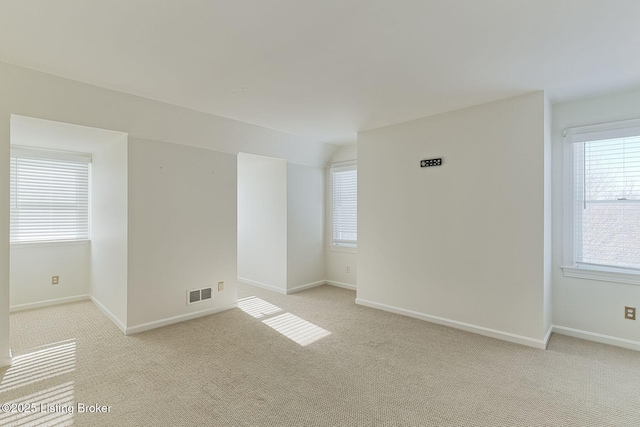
(630, 313)
(55, 280)
(348, 269)
(220, 286)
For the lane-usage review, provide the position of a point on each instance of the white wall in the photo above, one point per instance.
(462, 243)
(280, 224)
(548, 217)
(35, 94)
(342, 263)
(5, 348)
(33, 264)
(109, 189)
(590, 306)
(344, 153)
(30, 93)
(262, 221)
(182, 230)
(342, 268)
(305, 226)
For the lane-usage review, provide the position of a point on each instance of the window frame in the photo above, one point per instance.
(570, 266)
(19, 151)
(336, 167)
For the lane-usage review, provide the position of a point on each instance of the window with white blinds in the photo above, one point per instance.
(49, 196)
(344, 178)
(606, 199)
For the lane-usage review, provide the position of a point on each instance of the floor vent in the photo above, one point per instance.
(199, 295)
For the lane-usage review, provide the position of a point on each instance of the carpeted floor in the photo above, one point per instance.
(309, 359)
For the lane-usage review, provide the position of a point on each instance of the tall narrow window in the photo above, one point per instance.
(344, 178)
(49, 195)
(606, 198)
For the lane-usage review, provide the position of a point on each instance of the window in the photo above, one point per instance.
(344, 179)
(49, 196)
(604, 209)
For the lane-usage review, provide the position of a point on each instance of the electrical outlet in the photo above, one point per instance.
(220, 286)
(348, 269)
(55, 280)
(630, 313)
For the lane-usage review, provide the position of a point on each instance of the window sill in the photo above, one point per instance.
(602, 274)
(346, 249)
(47, 244)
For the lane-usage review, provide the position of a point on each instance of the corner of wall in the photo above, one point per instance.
(584, 308)
(341, 266)
(5, 345)
(306, 259)
(548, 237)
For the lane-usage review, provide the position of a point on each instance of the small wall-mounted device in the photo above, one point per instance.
(430, 162)
(199, 295)
(630, 313)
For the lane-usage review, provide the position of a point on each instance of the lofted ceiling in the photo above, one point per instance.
(326, 69)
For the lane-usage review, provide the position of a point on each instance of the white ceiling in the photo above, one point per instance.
(326, 69)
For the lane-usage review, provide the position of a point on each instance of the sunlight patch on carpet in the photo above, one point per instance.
(257, 307)
(52, 406)
(297, 329)
(40, 365)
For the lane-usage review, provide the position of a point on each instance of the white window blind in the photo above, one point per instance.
(606, 205)
(49, 196)
(344, 179)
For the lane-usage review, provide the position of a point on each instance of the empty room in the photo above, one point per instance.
(319, 213)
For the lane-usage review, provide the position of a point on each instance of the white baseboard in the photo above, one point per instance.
(341, 285)
(262, 285)
(304, 287)
(109, 314)
(177, 319)
(600, 338)
(547, 337)
(481, 330)
(47, 303)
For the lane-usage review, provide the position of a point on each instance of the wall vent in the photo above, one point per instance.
(199, 295)
(206, 293)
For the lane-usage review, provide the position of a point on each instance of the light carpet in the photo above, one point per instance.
(309, 359)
